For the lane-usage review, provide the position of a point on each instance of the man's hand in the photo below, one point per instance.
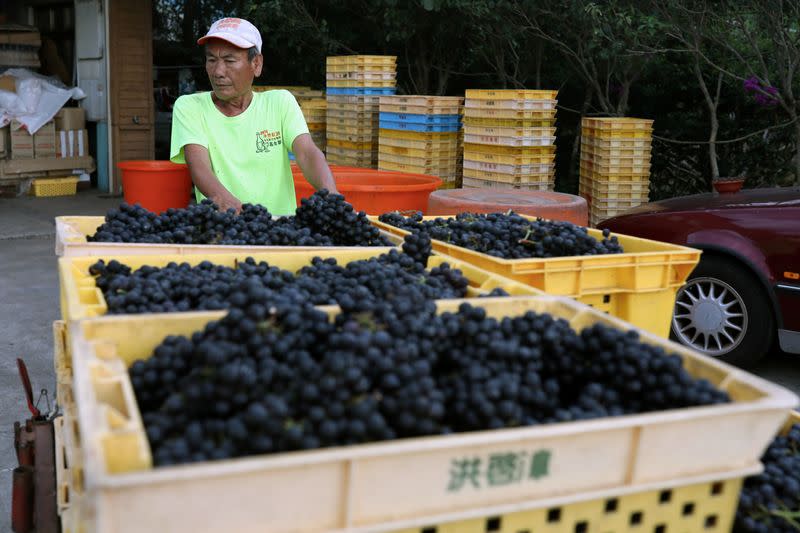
(226, 200)
(313, 164)
(203, 177)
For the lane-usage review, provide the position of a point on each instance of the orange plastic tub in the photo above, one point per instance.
(545, 204)
(156, 185)
(376, 191)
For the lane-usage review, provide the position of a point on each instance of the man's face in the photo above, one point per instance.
(230, 73)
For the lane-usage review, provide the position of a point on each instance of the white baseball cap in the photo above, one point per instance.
(238, 32)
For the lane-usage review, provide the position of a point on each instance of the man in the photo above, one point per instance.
(235, 141)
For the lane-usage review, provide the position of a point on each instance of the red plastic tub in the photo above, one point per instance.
(156, 185)
(545, 204)
(376, 191)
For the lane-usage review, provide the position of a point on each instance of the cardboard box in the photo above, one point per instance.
(70, 118)
(8, 83)
(56, 165)
(21, 142)
(72, 143)
(44, 142)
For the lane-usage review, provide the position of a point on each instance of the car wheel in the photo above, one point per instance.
(723, 311)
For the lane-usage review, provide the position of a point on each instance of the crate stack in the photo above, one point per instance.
(315, 113)
(420, 134)
(355, 85)
(615, 165)
(509, 139)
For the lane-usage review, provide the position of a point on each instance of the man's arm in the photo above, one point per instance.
(313, 164)
(206, 181)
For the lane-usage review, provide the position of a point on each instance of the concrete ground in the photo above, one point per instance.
(29, 304)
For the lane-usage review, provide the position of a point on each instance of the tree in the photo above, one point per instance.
(760, 42)
(596, 40)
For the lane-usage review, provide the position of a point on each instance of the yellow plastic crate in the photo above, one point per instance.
(359, 59)
(510, 94)
(616, 134)
(419, 135)
(513, 179)
(516, 151)
(607, 153)
(508, 123)
(509, 132)
(361, 83)
(335, 489)
(618, 123)
(427, 169)
(617, 144)
(81, 299)
(606, 205)
(477, 183)
(333, 135)
(518, 172)
(71, 233)
(601, 159)
(622, 175)
(365, 68)
(361, 76)
(615, 168)
(353, 99)
(361, 155)
(314, 103)
(440, 146)
(449, 153)
(437, 109)
(352, 162)
(347, 130)
(475, 152)
(422, 100)
(336, 143)
(510, 114)
(433, 160)
(614, 188)
(638, 286)
(509, 141)
(66, 186)
(519, 105)
(709, 506)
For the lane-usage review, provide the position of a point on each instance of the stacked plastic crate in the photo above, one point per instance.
(420, 134)
(314, 111)
(509, 139)
(615, 165)
(355, 84)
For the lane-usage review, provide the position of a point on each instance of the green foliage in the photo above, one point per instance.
(606, 57)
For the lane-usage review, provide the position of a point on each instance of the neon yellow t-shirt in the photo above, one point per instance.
(248, 152)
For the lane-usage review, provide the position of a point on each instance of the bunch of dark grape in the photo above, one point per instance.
(182, 287)
(277, 375)
(770, 501)
(323, 220)
(508, 235)
(329, 214)
(417, 245)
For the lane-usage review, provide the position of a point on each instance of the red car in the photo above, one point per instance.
(746, 289)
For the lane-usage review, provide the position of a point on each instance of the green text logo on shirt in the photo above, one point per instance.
(266, 139)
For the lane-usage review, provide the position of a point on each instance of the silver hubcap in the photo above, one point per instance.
(709, 316)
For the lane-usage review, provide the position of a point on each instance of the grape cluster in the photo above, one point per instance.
(773, 492)
(509, 235)
(206, 286)
(280, 376)
(322, 220)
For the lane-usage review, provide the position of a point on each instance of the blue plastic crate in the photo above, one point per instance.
(414, 118)
(410, 126)
(291, 156)
(366, 91)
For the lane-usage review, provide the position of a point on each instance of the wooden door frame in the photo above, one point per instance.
(114, 123)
